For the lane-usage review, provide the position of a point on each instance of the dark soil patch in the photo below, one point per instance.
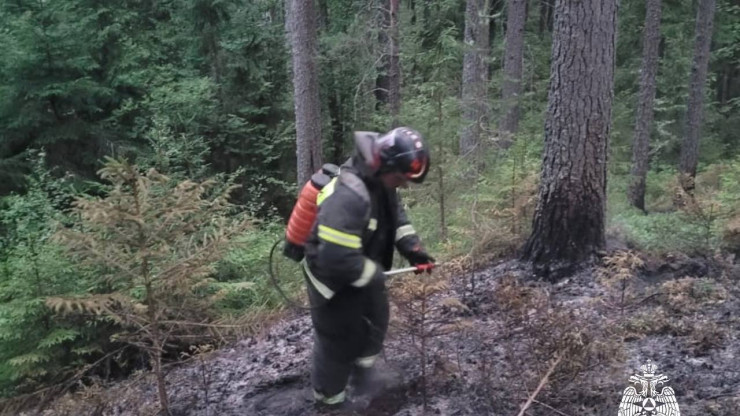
(516, 327)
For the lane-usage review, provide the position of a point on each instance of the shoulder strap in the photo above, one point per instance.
(353, 182)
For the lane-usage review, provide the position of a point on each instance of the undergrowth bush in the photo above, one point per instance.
(35, 345)
(488, 214)
(729, 196)
(251, 266)
(698, 224)
(665, 232)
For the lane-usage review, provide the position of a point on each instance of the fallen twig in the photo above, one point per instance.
(543, 381)
(551, 408)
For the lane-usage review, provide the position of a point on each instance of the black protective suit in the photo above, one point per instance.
(359, 221)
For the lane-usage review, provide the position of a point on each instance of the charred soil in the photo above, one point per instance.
(490, 339)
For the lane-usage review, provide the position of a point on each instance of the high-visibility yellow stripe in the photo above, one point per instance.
(326, 191)
(366, 362)
(336, 399)
(373, 224)
(368, 271)
(404, 230)
(338, 237)
(320, 287)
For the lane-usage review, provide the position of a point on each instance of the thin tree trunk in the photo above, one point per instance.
(475, 79)
(382, 82)
(546, 16)
(644, 119)
(394, 68)
(303, 34)
(694, 109)
(156, 357)
(512, 83)
(335, 102)
(568, 225)
(323, 14)
(723, 85)
(442, 208)
(337, 127)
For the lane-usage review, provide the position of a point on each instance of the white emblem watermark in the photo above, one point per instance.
(647, 401)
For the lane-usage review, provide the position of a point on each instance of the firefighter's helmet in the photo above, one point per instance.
(403, 150)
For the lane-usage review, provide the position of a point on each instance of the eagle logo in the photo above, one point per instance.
(647, 401)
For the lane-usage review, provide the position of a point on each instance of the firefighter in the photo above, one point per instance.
(360, 220)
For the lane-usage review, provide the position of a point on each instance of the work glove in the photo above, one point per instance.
(418, 256)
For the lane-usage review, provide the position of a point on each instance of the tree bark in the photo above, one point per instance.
(694, 108)
(302, 30)
(475, 79)
(512, 83)
(644, 118)
(568, 225)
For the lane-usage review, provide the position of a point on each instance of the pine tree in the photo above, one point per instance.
(568, 225)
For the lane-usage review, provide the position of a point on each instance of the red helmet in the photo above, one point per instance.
(403, 150)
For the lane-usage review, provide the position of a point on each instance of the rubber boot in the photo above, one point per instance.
(372, 381)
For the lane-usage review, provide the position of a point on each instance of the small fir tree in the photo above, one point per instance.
(157, 242)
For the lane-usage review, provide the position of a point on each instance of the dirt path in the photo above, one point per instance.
(513, 328)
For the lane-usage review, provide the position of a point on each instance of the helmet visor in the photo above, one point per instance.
(417, 169)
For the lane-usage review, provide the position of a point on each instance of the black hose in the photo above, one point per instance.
(374, 330)
(273, 278)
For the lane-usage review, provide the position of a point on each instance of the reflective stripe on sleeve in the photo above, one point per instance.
(368, 271)
(320, 287)
(338, 237)
(404, 230)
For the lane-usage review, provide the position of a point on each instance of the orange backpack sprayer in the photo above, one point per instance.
(304, 212)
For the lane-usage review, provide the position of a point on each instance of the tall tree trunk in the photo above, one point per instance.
(475, 79)
(568, 225)
(694, 108)
(512, 84)
(644, 119)
(302, 31)
(394, 68)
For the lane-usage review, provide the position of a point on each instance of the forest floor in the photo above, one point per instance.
(492, 336)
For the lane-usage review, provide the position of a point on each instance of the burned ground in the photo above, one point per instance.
(489, 339)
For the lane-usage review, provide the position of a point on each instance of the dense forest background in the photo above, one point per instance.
(202, 92)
